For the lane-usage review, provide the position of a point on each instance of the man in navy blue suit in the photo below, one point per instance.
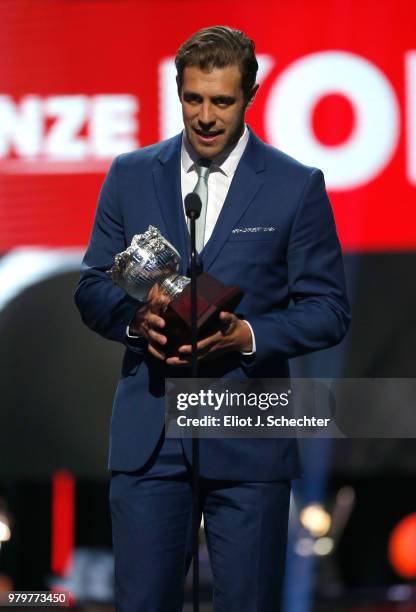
(268, 227)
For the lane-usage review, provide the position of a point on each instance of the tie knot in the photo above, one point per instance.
(203, 168)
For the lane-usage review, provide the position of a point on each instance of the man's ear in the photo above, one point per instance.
(252, 95)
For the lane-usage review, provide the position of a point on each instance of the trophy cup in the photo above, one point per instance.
(151, 259)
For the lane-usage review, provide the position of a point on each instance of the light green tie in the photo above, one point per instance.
(201, 188)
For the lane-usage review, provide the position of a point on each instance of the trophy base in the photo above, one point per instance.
(213, 297)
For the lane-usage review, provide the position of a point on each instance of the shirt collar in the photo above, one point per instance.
(226, 162)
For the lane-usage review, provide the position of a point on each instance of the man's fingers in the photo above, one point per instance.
(153, 320)
(226, 316)
(158, 301)
(155, 292)
(185, 349)
(211, 346)
(155, 352)
(157, 307)
(159, 338)
(210, 354)
(162, 301)
(228, 321)
(177, 361)
(201, 345)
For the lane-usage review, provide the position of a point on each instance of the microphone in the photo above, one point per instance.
(193, 205)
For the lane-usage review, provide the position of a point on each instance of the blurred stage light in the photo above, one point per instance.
(316, 520)
(304, 547)
(323, 546)
(400, 592)
(402, 547)
(5, 532)
(6, 583)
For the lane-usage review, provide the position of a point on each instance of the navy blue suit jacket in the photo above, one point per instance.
(292, 275)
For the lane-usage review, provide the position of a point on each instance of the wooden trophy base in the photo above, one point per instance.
(213, 297)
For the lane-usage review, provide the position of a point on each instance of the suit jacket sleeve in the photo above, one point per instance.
(104, 306)
(318, 314)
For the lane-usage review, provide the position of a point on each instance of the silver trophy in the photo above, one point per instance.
(150, 259)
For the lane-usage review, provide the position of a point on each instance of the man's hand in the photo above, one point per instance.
(149, 320)
(233, 335)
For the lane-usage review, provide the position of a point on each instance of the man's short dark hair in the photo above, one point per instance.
(218, 47)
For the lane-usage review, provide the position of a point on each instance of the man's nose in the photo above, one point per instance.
(206, 116)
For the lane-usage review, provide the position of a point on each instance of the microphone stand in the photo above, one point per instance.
(193, 215)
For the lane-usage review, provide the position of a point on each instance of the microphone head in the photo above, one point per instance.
(193, 205)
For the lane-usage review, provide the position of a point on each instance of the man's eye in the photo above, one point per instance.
(223, 103)
(192, 99)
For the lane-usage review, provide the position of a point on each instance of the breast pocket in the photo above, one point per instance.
(254, 252)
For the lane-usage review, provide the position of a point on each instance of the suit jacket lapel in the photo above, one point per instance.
(167, 181)
(244, 186)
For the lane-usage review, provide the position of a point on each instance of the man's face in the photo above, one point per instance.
(213, 108)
